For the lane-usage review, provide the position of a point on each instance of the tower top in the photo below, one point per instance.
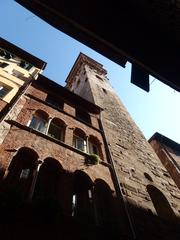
(83, 59)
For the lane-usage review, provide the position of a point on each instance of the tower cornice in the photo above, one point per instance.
(84, 60)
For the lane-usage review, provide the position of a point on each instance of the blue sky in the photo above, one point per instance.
(156, 111)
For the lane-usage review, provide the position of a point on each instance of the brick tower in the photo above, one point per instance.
(149, 195)
(73, 164)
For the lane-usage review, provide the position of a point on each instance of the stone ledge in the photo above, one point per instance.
(26, 128)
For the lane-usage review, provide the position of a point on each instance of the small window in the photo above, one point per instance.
(93, 149)
(5, 54)
(78, 82)
(25, 65)
(84, 116)
(24, 173)
(3, 64)
(94, 146)
(104, 90)
(74, 204)
(79, 140)
(99, 77)
(166, 174)
(4, 90)
(79, 143)
(54, 102)
(17, 74)
(148, 177)
(39, 121)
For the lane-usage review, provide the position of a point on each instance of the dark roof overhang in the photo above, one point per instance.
(146, 33)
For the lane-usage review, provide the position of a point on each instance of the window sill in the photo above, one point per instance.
(26, 128)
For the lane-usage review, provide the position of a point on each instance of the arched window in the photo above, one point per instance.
(82, 199)
(79, 140)
(57, 129)
(21, 170)
(160, 203)
(94, 146)
(104, 203)
(39, 121)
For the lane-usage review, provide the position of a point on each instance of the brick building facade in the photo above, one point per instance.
(74, 165)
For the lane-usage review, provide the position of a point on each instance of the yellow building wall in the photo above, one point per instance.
(15, 76)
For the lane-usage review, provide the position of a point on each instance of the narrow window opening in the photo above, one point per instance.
(3, 64)
(54, 102)
(74, 204)
(25, 173)
(104, 90)
(17, 73)
(166, 175)
(148, 177)
(84, 116)
(78, 82)
(4, 90)
(25, 65)
(99, 77)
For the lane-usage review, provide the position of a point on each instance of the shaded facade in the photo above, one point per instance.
(141, 177)
(73, 165)
(168, 152)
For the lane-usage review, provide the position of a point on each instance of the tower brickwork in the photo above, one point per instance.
(151, 194)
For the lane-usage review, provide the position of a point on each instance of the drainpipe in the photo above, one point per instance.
(118, 186)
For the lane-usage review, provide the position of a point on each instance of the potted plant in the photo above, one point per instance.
(92, 159)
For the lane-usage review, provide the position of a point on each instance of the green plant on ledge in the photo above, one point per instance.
(92, 159)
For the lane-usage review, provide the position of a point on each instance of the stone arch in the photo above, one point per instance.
(48, 180)
(104, 202)
(160, 203)
(82, 197)
(21, 169)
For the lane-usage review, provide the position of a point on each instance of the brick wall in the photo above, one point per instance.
(134, 160)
